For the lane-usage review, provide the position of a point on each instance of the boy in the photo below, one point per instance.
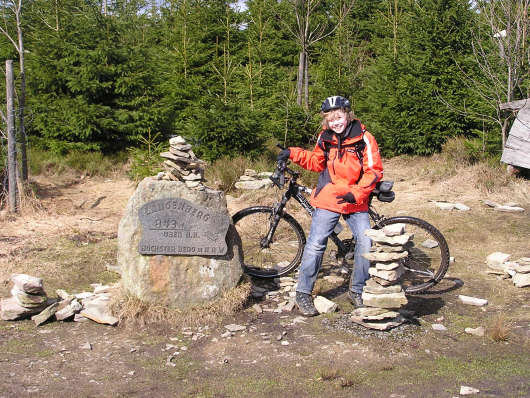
(347, 158)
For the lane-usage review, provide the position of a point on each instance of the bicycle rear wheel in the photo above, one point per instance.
(281, 255)
(428, 258)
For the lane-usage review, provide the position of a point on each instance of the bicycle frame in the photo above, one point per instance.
(296, 191)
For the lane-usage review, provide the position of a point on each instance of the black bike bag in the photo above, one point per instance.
(383, 191)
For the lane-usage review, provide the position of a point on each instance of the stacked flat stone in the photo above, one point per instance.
(251, 179)
(181, 164)
(383, 294)
(27, 298)
(520, 272)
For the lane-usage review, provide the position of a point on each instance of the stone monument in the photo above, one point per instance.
(177, 245)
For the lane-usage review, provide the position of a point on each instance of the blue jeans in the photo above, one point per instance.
(322, 226)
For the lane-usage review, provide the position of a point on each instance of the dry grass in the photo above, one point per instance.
(338, 377)
(133, 312)
(328, 374)
(500, 328)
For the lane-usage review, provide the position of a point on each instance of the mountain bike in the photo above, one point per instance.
(273, 240)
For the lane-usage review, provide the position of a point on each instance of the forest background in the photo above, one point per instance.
(106, 75)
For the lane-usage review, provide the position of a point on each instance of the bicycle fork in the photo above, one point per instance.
(273, 224)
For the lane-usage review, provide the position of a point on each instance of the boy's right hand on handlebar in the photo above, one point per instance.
(284, 155)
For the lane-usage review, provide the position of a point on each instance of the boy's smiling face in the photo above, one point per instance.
(337, 121)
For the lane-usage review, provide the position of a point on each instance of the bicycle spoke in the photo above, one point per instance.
(281, 254)
(428, 255)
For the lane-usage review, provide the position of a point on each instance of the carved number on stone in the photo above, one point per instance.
(177, 226)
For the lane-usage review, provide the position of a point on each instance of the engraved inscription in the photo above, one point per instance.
(177, 226)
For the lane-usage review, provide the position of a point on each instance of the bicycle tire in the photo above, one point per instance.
(285, 251)
(431, 258)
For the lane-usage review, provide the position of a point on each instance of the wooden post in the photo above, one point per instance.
(11, 138)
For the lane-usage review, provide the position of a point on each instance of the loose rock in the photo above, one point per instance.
(473, 300)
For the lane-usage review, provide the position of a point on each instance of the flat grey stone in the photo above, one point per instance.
(509, 209)
(380, 325)
(193, 184)
(438, 327)
(11, 310)
(524, 261)
(445, 205)
(235, 328)
(374, 314)
(394, 229)
(253, 185)
(69, 310)
(323, 305)
(178, 140)
(473, 300)
(390, 300)
(378, 236)
(521, 280)
(29, 300)
(390, 275)
(429, 244)
(496, 261)
(46, 314)
(385, 257)
(462, 207)
(476, 331)
(97, 310)
(388, 249)
(383, 282)
(387, 266)
(520, 269)
(193, 177)
(466, 390)
(375, 288)
(490, 203)
(247, 178)
(64, 295)
(28, 284)
(181, 147)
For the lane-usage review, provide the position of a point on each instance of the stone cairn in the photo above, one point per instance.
(27, 298)
(30, 300)
(251, 180)
(383, 294)
(181, 164)
(519, 271)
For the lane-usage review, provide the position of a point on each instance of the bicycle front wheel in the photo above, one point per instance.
(266, 258)
(428, 258)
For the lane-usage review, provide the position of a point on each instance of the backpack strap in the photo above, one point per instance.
(357, 146)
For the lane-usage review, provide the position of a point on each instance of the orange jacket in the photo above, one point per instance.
(341, 170)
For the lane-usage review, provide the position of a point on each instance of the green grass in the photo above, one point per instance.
(87, 163)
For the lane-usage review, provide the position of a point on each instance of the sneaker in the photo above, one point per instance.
(356, 299)
(304, 302)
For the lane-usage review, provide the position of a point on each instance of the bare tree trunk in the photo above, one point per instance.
(300, 79)
(22, 99)
(306, 82)
(11, 140)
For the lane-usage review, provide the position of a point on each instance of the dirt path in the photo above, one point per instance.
(71, 241)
